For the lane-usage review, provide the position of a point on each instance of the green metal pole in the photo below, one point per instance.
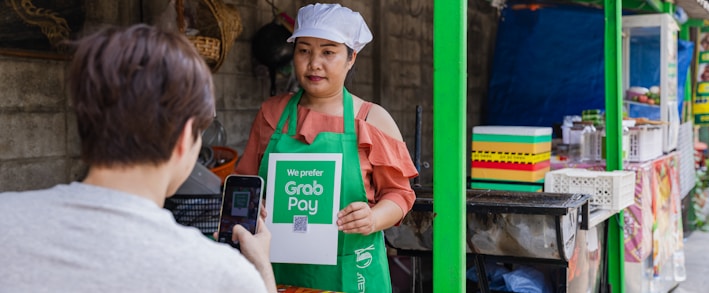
(613, 80)
(449, 141)
(668, 7)
(614, 105)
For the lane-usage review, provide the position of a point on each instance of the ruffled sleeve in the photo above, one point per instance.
(390, 166)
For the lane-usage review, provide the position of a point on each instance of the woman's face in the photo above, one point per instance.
(321, 65)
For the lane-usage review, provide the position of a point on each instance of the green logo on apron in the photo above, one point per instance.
(304, 188)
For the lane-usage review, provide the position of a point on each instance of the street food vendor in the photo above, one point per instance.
(323, 117)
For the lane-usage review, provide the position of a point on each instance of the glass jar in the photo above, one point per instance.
(581, 136)
(589, 142)
(625, 150)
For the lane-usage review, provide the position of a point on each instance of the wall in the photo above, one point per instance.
(39, 145)
(38, 142)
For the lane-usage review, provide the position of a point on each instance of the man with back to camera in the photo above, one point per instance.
(142, 97)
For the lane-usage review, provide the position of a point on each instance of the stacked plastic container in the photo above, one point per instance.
(512, 158)
(645, 143)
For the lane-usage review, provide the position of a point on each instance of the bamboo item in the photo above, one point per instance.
(217, 26)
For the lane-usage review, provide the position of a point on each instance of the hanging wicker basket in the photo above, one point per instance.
(209, 48)
(218, 25)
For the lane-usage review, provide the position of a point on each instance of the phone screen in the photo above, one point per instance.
(241, 204)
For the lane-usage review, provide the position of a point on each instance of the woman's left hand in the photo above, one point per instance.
(357, 217)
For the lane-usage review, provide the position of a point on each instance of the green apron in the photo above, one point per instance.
(361, 260)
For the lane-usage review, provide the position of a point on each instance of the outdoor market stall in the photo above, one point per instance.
(613, 113)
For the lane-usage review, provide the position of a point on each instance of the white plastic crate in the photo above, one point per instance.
(595, 146)
(614, 190)
(642, 143)
(645, 143)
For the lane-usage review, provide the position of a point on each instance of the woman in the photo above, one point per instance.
(376, 167)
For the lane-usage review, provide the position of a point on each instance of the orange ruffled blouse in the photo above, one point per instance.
(385, 161)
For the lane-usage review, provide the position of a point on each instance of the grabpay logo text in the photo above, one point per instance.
(304, 188)
(293, 188)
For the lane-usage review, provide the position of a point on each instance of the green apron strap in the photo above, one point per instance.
(291, 109)
(290, 114)
(348, 112)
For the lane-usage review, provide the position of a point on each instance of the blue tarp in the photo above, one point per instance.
(523, 278)
(549, 63)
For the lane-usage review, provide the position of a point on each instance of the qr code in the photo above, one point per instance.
(300, 224)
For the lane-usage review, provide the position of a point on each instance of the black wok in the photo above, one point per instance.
(270, 48)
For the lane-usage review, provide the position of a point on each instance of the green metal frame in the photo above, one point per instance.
(614, 104)
(449, 144)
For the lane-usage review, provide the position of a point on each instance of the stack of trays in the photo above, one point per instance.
(593, 115)
(513, 158)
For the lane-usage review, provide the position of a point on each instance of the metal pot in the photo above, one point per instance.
(270, 47)
(206, 157)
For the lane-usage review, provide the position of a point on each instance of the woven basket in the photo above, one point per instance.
(219, 26)
(209, 48)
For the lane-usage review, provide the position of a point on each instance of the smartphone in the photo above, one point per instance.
(241, 205)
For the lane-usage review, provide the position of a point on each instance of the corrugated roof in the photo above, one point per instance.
(697, 9)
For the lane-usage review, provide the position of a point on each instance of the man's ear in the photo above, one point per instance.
(186, 140)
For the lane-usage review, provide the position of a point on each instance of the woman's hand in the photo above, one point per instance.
(357, 217)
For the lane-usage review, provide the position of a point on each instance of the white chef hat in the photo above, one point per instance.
(332, 22)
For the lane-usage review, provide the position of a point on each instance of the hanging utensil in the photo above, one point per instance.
(270, 47)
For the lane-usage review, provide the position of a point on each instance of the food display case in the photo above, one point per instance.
(650, 72)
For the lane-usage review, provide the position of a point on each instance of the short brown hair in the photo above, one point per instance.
(133, 91)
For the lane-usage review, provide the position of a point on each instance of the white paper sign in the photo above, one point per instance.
(302, 200)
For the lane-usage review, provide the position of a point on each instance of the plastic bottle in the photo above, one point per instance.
(590, 143)
(575, 142)
(582, 137)
(566, 127)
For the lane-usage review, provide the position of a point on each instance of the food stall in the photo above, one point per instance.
(613, 93)
(449, 120)
(449, 70)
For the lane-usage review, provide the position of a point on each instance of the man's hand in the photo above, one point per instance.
(256, 248)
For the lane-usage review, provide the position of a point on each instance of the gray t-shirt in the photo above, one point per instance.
(84, 238)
